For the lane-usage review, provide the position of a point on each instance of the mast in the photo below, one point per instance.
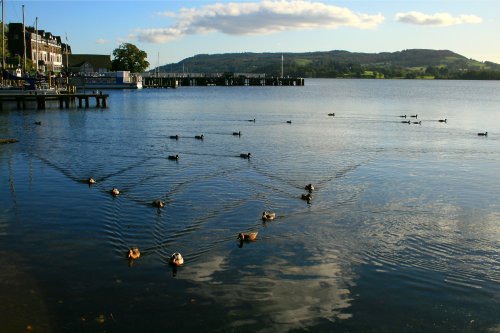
(66, 51)
(282, 65)
(24, 45)
(3, 37)
(36, 43)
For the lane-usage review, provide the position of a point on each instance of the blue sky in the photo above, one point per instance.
(175, 30)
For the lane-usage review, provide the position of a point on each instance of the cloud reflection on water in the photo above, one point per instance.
(278, 295)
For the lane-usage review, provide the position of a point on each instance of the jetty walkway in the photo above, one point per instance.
(64, 100)
(174, 80)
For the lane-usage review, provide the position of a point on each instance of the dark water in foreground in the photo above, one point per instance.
(402, 235)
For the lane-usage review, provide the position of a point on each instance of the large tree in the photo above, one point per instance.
(129, 58)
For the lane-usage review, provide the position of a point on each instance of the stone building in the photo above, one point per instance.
(43, 47)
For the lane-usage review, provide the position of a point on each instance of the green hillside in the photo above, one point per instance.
(414, 63)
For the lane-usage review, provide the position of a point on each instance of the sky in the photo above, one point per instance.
(170, 30)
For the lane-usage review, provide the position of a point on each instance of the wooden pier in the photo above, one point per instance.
(63, 100)
(174, 81)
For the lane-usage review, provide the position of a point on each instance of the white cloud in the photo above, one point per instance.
(251, 18)
(102, 41)
(157, 35)
(438, 19)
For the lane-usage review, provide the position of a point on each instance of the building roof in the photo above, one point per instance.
(96, 60)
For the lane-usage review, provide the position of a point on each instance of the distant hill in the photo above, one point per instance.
(407, 63)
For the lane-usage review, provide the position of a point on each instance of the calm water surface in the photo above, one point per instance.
(402, 234)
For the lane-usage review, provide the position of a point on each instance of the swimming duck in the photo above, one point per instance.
(176, 259)
(331, 114)
(267, 216)
(483, 134)
(158, 203)
(252, 120)
(418, 122)
(176, 137)
(403, 116)
(414, 116)
(134, 253)
(38, 122)
(442, 120)
(288, 121)
(307, 197)
(91, 181)
(199, 137)
(250, 236)
(115, 191)
(405, 122)
(247, 156)
(173, 158)
(237, 133)
(309, 187)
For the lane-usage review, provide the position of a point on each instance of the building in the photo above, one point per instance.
(42, 48)
(88, 63)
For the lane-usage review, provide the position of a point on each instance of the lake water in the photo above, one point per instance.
(402, 233)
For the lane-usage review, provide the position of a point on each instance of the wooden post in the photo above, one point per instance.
(40, 102)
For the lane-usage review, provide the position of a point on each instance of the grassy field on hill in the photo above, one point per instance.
(413, 63)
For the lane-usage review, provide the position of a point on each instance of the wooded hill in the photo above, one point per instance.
(414, 63)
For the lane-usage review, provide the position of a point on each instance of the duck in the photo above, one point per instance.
(199, 137)
(288, 121)
(331, 114)
(267, 216)
(403, 116)
(252, 120)
(414, 116)
(176, 137)
(247, 156)
(38, 122)
(237, 133)
(309, 187)
(176, 259)
(307, 197)
(115, 191)
(158, 203)
(405, 122)
(173, 158)
(442, 120)
(418, 122)
(250, 236)
(90, 181)
(483, 134)
(134, 253)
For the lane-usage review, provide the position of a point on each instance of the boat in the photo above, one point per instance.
(107, 80)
